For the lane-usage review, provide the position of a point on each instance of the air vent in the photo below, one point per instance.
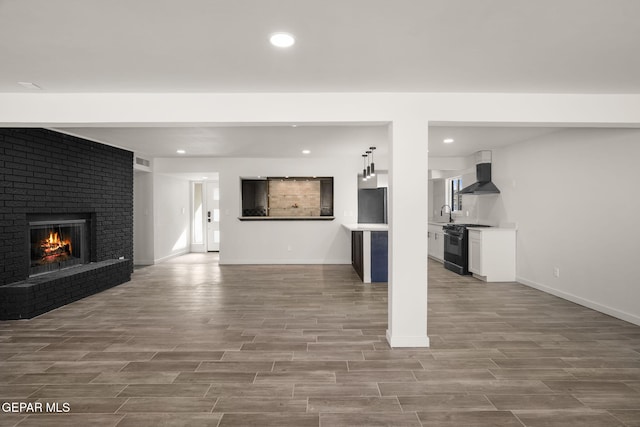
(142, 162)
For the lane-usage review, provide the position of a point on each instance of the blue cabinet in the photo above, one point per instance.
(379, 256)
(370, 251)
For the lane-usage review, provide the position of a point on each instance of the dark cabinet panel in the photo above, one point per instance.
(326, 197)
(379, 256)
(357, 252)
(254, 197)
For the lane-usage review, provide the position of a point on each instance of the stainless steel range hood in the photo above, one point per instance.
(483, 176)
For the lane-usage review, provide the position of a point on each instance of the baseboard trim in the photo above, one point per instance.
(283, 261)
(627, 317)
(441, 261)
(407, 341)
(168, 257)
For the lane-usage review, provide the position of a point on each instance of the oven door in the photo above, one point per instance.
(453, 245)
(455, 251)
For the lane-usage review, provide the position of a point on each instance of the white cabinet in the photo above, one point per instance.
(436, 242)
(475, 252)
(492, 254)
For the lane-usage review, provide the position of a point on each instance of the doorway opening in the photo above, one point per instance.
(205, 219)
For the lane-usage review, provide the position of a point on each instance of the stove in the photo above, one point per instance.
(456, 247)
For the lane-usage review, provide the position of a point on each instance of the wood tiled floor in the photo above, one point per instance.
(189, 343)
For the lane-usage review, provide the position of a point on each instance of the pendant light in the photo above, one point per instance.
(364, 170)
(368, 167)
(373, 166)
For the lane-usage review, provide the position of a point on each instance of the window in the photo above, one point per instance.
(454, 197)
(198, 214)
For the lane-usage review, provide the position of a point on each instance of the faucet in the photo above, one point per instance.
(446, 206)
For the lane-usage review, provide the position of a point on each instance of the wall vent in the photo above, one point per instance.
(142, 162)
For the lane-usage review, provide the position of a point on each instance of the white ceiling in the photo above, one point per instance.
(469, 139)
(285, 141)
(567, 46)
(559, 46)
(277, 141)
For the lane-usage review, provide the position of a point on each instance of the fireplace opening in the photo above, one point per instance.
(59, 244)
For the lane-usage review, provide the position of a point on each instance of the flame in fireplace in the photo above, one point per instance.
(54, 246)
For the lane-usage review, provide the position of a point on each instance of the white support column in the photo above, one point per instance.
(408, 187)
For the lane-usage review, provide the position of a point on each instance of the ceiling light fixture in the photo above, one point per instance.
(448, 140)
(180, 151)
(282, 40)
(364, 164)
(373, 166)
(306, 152)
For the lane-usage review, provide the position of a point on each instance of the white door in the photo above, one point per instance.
(212, 189)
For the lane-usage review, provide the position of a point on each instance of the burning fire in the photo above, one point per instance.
(55, 246)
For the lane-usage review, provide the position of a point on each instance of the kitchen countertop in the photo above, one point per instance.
(385, 227)
(471, 227)
(286, 218)
(366, 227)
(492, 228)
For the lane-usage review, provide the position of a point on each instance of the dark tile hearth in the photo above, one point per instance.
(188, 342)
(39, 294)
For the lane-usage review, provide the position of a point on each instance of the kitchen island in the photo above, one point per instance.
(369, 251)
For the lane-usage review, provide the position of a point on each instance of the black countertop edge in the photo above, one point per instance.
(286, 218)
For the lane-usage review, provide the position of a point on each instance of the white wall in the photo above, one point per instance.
(171, 214)
(573, 197)
(143, 218)
(442, 168)
(278, 242)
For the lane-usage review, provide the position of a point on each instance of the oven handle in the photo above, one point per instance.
(454, 235)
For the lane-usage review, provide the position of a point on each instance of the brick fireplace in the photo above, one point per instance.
(66, 220)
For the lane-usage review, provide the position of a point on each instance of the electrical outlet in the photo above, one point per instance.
(289, 248)
(556, 272)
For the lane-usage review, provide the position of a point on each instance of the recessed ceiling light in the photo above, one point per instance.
(29, 85)
(180, 151)
(448, 140)
(205, 177)
(282, 40)
(306, 152)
